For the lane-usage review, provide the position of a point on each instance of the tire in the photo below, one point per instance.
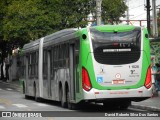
(110, 106)
(124, 106)
(24, 92)
(70, 105)
(26, 97)
(37, 99)
(63, 103)
(23, 88)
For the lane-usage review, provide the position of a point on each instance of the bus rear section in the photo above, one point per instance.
(118, 65)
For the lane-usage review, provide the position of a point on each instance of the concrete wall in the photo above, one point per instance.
(13, 69)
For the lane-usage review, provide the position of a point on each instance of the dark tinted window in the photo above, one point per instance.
(116, 47)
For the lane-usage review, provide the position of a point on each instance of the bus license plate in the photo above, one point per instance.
(118, 82)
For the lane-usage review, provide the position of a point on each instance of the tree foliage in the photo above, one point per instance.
(113, 10)
(158, 22)
(27, 20)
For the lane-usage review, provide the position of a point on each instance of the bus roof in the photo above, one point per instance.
(34, 44)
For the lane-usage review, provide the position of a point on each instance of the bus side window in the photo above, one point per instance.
(44, 64)
(52, 62)
(29, 66)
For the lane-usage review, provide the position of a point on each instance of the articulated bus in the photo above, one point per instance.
(109, 64)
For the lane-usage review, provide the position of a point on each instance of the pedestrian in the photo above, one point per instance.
(157, 81)
(7, 65)
(154, 70)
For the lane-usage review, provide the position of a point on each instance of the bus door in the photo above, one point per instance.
(74, 71)
(49, 72)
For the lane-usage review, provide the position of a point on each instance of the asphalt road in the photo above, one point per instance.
(13, 101)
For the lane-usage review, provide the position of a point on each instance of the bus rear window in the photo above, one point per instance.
(116, 47)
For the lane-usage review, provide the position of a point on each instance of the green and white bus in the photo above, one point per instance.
(109, 64)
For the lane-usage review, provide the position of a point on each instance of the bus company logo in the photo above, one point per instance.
(118, 75)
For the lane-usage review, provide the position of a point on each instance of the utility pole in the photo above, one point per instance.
(148, 15)
(127, 13)
(98, 11)
(155, 28)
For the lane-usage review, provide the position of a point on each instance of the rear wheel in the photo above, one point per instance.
(122, 105)
(109, 105)
(70, 105)
(125, 105)
(63, 103)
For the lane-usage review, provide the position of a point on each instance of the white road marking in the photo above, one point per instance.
(41, 104)
(20, 105)
(9, 89)
(1, 107)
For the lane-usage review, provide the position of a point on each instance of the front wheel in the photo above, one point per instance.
(37, 99)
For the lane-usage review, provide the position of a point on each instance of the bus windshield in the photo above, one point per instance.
(116, 47)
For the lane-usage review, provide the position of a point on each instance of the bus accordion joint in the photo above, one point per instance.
(86, 84)
(148, 81)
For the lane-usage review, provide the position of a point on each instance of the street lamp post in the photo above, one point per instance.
(98, 11)
(155, 28)
(148, 15)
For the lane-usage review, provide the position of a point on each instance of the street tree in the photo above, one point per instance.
(27, 20)
(23, 21)
(113, 10)
(158, 22)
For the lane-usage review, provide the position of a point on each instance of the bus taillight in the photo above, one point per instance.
(148, 81)
(86, 84)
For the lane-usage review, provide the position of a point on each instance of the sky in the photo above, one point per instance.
(137, 11)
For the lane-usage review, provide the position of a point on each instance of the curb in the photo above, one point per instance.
(142, 107)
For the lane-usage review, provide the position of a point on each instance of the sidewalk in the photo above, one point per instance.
(13, 84)
(152, 104)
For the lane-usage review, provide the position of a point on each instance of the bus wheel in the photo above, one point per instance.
(35, 94)
(63, 103)
(124, 106)
(110, 106)
(24, 92)
(26, 97)
(70, 106)
(23, 88)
